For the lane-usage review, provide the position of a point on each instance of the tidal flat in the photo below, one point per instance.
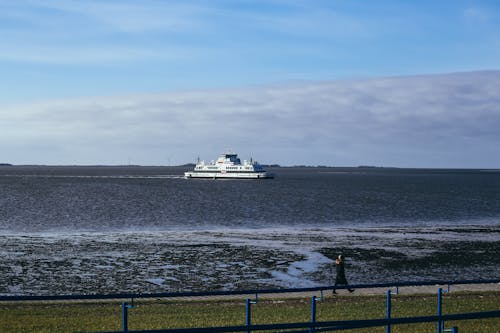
(237, 259)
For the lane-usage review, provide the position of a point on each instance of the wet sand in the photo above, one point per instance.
(47, 264)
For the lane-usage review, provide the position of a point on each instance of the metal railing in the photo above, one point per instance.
(242, 292)
(312, 326)
(328, 326)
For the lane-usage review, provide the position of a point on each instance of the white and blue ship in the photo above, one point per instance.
(228, 165)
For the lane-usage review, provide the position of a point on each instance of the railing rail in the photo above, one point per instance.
(239, 292)
(312, 326)
(326, 326)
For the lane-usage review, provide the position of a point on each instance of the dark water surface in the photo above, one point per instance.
(47, 201)
(119, 229)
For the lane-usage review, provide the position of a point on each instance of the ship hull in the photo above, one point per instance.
(228, 175)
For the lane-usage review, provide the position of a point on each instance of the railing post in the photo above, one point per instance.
(388, 311)
(440, 323)
(125, 316)
(313, 314)
(248, 314)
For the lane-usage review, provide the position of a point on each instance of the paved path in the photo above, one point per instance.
(411, 290)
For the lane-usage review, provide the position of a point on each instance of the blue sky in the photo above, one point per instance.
(61, 61)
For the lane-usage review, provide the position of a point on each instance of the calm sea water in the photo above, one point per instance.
(55, 199)
(145, 229)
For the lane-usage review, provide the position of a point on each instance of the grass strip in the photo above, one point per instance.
(90, 316)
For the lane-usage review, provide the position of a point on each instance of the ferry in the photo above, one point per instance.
(228, 165)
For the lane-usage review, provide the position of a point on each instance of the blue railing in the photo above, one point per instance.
(329, 326)
(241, 292)
(312, 326)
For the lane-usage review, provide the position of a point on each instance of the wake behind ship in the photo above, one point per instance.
(228, 165)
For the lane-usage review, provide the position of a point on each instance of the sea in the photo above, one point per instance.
(102, 229)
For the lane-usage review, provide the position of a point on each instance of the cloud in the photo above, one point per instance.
(103, 32)
(437, 121)
(75, 54)
(124, 16)
(97, 32)
(477, 15)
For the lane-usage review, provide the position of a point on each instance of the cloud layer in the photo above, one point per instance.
(448, 120)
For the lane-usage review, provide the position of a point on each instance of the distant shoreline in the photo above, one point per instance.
(274, 166)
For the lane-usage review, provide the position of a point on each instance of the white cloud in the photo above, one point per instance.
(125, 16)
(96, 32)
(100, 32)
(477, 15)
(77, 54)
(145, 16)
(441, 121)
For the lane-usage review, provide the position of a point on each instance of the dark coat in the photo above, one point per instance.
(340, 278)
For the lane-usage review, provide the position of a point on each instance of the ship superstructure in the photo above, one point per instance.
(228, 165)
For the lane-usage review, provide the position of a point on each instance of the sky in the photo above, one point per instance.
(334, 82)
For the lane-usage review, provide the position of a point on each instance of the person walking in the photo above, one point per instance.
(340, 278)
